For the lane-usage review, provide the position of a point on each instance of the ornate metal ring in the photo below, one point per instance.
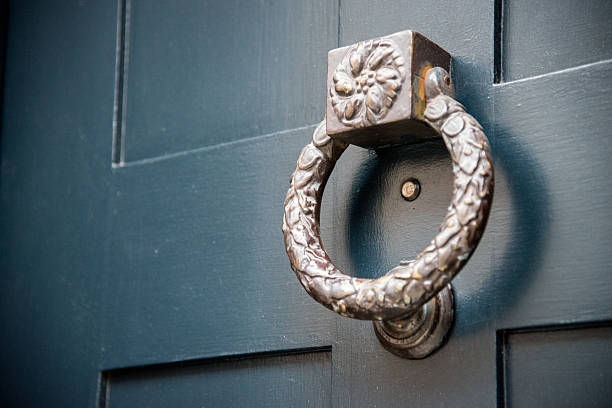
(396, 299)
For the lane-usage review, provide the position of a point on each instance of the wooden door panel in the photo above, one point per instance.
(549, 232)
(553, 367)
(258, 381)
(198, 73)
(199, 267)
(165, 278)
(199, 272)
(538, 38)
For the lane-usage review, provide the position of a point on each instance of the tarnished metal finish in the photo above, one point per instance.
(379, 91)
(421, 333)
(376, 89)
(366, 82)
(407, 287)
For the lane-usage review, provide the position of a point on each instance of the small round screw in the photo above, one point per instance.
(411, 189)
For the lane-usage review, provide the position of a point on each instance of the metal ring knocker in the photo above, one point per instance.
(412, 305)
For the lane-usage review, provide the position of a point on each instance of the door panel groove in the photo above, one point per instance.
(559, 365)
(211, 72)
(221, 145)
(533, 38)
(276, 376)
(120, 94)
(553, 73)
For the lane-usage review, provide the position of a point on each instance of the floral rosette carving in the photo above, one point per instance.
(366, 82)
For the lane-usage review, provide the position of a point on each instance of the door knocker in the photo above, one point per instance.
(381, 92)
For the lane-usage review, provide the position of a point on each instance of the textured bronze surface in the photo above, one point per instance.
(366, 82)
(404, 288)
(421, 333)
(370, 104)
(376, 89)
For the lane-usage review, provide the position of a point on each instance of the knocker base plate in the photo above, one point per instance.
(423, 332)
(376, 89)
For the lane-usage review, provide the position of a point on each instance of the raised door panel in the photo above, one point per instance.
(302, 379)
(199, 73)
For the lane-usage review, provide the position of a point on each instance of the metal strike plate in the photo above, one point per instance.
(376, 90)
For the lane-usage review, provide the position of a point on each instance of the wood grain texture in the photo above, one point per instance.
(206, 72)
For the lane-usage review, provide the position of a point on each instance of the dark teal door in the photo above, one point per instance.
(146, 150)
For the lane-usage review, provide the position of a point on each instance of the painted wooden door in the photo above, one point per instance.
(146, 150)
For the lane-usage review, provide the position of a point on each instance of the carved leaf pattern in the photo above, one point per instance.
(366, 82)
(404, 288)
